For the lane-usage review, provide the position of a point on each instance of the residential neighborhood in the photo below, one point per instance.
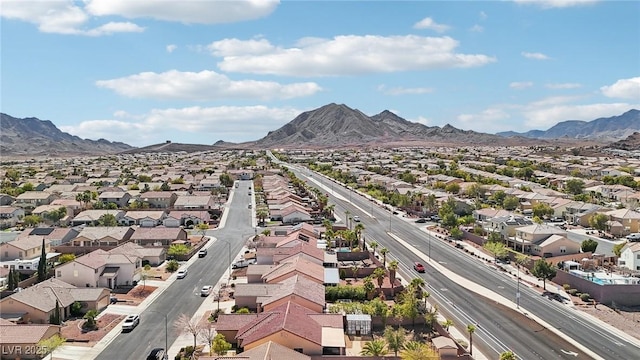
(316, 280)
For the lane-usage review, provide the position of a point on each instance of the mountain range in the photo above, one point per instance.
(330, 126)
(603, 129)
(35, 137)
(337, 125)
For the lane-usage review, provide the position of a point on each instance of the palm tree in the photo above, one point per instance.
(373, 245)
(379, 274)
(393, 267)
(384, 252)
(508, 355)
(358, 232)
(471, 329)
(430, 318)
(347, 218)
(414, 350)
(376, 347)
(395, 338)
(262, 213)
(446, 324)
(354, 272)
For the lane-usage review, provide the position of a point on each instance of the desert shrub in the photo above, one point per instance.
(76, 308)
(585, 297)
(333, 293)
(172, 266)
(566, 287)
(572, 291)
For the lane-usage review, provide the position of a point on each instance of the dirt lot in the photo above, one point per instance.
(627, 320)
(136, 295)
(72, 330)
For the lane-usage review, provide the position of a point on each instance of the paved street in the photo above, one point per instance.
(497, 327)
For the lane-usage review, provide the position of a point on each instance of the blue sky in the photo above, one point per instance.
(143, 72)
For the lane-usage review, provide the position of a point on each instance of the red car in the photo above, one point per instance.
(418, 267)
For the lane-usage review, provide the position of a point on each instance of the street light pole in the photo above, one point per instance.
(518, 289)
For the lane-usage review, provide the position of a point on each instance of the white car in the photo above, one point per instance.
(130, 322)
(206, 290)
(181, 273)
(356, 218)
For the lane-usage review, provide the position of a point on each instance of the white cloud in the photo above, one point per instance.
(345, 55)
(545, 117)
(623, 89)
(521, 85)
(404, 91)
(563, 86)
(422, 120)
(202, 12)
(428, 23)
(230, 123)
(489, 120)
(476, 28)
(203, 85)
(60, 17)
(549, 4)
(171, 48)
(483, 15)
(535, 56)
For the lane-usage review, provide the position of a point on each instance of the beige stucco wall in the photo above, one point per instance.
(78, 275)
(33, 315)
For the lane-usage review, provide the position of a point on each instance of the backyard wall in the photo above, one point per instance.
(620, 295)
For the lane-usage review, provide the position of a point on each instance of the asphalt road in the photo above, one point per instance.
(183, 296)
(499, 329)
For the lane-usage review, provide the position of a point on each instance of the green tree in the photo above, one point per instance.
(542, 209)
(510, 203)
(379, 275)
(414, 350)
(543, 270)
(393, 268)
(598, 221)
(375, 347)
(262, 213)
(65, 258)
(90, 320)
(617, 249)
(202, 228)
(574, 186)
(172, 266)
(589, 245)
(395, 338)
(11, 282)
(447, 324)
(384, 252)
(48, 346)
(498, 249)
(31, 220)
(42, 263)
(452, 188)
(471, 329)
(226, 179)
(178, 249)
(107, 220)
(219, 345)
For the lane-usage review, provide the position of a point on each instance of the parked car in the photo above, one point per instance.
(181, 273)
(156, 354)
(130, 322)
(206, 290)
(421, 221)
(418, 267)
(633, 237)
(202, 253)
(242, 263)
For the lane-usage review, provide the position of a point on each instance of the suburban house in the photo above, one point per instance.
(92, 217)
(527, 236)
(153, 256)
(120, 198)
(554, 245)
(194, 202)
(297, 265)
(292, 214)
(6, 199)
(629, 219)
(158, 236)
(10, 216)
(265, 297)
(630, 256)
(186, 218)
(485, 214)
(159, 199)
(37, 303)
(29, 200)
(290, 325)
(506, 225)
(268, 350)
(24, 248)
(55, 236)
(101, 268)
(143, 218)
(19, 341)
(103, 236)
